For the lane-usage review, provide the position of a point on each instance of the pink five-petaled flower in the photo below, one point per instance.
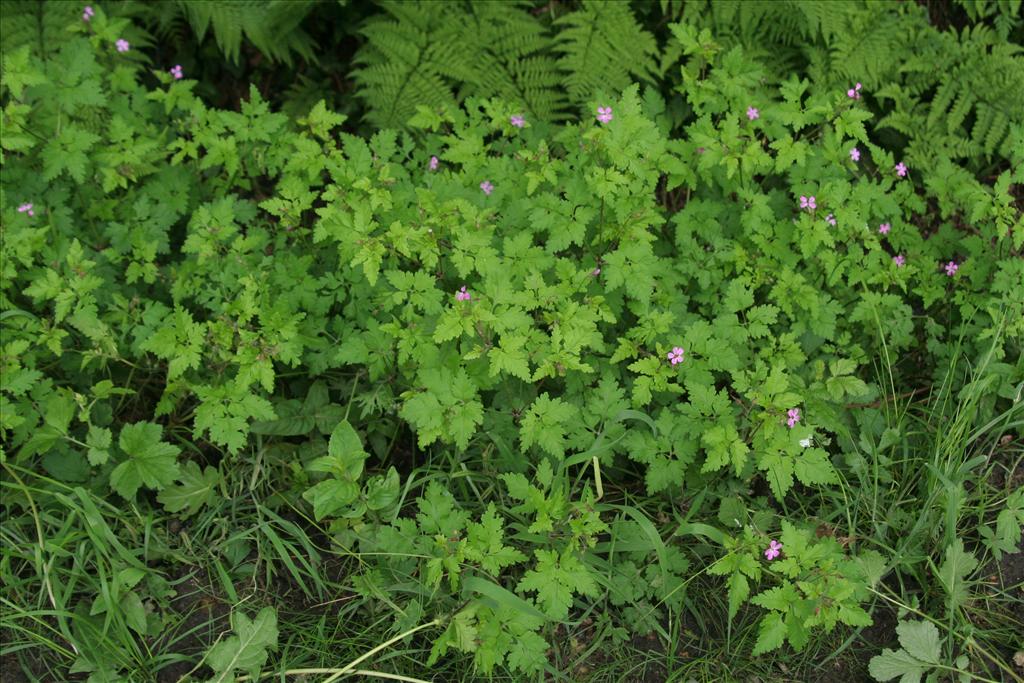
(462, 294)
(87, 13)
(753, 113)
(122, 45)
(808, 203)
(884, 228)
(604, 114)
(900, 260)
(831, 220)
(951, 268)
(177, 72)
(517, 120)
(773, 550)
(855, 154)
(434, 161)
(901, 169)
(854, 92)
(676, 355)
(792, 417)
(487, 187)
(26, 208)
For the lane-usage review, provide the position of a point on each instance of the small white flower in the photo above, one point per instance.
(806, 443)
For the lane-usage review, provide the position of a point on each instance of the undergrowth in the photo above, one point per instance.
(581, 341)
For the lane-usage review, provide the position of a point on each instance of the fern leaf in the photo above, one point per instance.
(603, 49)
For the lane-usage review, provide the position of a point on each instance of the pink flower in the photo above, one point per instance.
(951, 268)
(517, 120)
(855, 154)
(753, 114)
(26, 208)
(773, 550)
(900, 260)
(808, 203)
(604, 114)
(854, 93)
(884, 228)
(676, 355)
(792, 417)
(177, 72)
(901, 169)
(122, 45)
(462, 294)
(831, 220)
(487, 187)
(87, 13)
(595, 272)
(434, 161)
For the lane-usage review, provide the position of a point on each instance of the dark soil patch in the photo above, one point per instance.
(654, 669)
(852, 665)
(1005, 586)
(204, 614)
(645, 651)
(10, 669)
(1010, 577)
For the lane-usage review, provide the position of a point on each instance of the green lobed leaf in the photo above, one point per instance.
(247, 649)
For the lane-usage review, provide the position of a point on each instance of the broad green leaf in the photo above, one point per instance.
(59, 410)
(382, 492)
(956, 567)
(528, 653)
(151, 462)
(779, 598)
(812, 466)
(99, 440)
(346, 449)
(921, 650)
(778, 469)
(196, 488)
(246, 650)
(330, 496)
(546, 423)
(771, 633)
(555, 579)
(134, 612)
(897, 664)
(739, 589)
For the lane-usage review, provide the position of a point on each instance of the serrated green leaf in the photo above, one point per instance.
(555, 579)
(99, 440)
(151, 462)
(812, 467)
(896, 663)
(528, 653)
(246, 650)
(771, 633)
(545, 424)
(956, 567)
(196, 488)
(778, 469)
(739, 589)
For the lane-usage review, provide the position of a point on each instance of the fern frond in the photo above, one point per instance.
(603, 49)
(513, 58)
(40, 25)
(403, 63)
(271, 26)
